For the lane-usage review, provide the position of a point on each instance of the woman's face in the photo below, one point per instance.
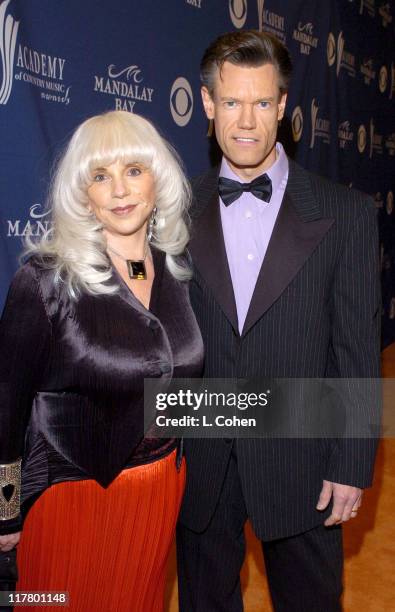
(122, 197)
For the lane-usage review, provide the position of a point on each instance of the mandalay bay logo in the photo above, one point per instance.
(345, 134)
(367, 69)
(304, 34)
(36, 225)
(126, 87)
(8, 34)
(385, 14)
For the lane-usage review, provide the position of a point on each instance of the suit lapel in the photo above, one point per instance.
(297, 232)
(207, 248)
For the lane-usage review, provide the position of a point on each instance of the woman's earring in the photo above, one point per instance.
(151, 224)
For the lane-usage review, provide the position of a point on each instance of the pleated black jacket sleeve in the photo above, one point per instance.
(356, 346)
(25, 335)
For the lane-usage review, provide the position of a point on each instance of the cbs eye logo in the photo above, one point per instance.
(297, 124)
(362, 138)
(238, 12)
(331, 49)
(181, 101)
(383, 79)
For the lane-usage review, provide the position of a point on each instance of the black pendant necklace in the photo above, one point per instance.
(136, 267)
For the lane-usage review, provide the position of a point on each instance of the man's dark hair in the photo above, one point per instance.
(246, 48)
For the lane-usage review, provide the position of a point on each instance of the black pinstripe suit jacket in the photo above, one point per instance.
(315, 312)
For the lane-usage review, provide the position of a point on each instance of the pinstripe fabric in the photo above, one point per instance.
(315, 312)
(304, 571)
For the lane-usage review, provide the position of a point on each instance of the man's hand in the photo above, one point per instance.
(7, 542)
(346, 502)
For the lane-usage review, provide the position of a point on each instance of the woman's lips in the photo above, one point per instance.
(123, 210)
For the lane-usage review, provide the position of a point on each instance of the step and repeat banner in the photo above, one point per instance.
(64, 60)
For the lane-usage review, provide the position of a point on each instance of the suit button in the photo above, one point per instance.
(165, 368)
(153, 324)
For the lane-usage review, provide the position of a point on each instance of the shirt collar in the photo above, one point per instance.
(277, 172)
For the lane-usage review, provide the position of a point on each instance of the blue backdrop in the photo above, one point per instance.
(64, 60)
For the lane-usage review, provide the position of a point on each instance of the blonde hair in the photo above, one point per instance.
(75, 246)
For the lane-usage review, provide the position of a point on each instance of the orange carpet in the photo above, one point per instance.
(369, 542)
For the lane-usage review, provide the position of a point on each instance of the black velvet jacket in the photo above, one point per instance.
(72, 372)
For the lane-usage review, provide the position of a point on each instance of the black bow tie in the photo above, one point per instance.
(230, 190)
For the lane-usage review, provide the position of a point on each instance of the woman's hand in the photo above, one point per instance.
(7, 542)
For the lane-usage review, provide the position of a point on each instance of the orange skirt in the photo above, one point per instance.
(107, 547)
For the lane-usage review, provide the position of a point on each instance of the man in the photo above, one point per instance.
(285, 285)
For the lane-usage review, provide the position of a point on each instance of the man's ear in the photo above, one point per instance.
(208, 102)
(281, 106)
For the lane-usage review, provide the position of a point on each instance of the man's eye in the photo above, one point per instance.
(263, 104)
(230, 103)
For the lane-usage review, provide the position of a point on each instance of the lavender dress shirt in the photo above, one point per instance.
(247, 225)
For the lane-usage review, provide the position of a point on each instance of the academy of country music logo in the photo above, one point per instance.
(195, 3)
(376, 141)
(385, 14)
(390, 144)
(238, 12)
(304, 34)
(36, 225)
(336, 53)
(392, 85)
(271, 22)
(46, 72)
(181, 101)
(8, 34)
(344, 134)
(320, 128)
(362, 138)
(367, 70)
(369, 5)
(378, 200)
(297, 123)
(125, 85)
(390, 202)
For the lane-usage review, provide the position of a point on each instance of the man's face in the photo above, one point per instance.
(246, 107)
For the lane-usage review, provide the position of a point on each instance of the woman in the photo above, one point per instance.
(100, 305)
